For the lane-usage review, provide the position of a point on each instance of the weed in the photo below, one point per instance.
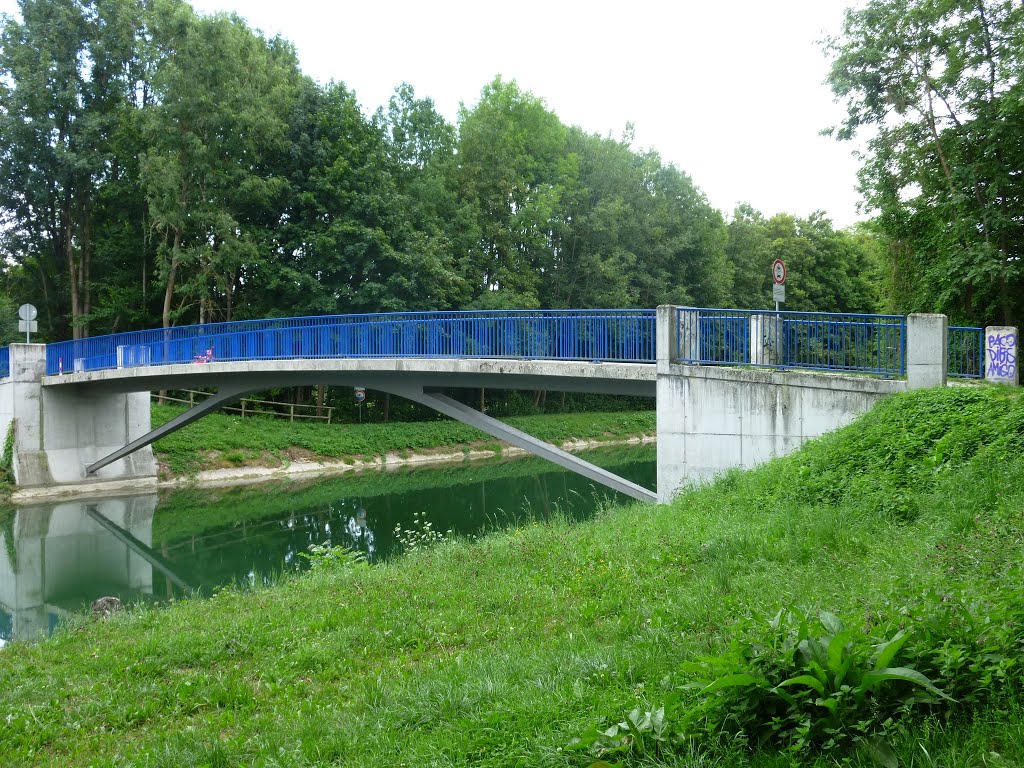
(420, 534)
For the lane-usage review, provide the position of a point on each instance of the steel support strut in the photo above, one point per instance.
(147, 553)
(216, 401)
(502, 431)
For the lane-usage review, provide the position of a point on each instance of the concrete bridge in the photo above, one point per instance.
(733, 388)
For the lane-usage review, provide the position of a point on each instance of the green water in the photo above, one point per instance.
(55, 560)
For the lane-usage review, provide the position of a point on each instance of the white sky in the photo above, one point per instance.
(731, 91)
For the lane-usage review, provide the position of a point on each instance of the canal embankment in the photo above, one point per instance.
(224, 448)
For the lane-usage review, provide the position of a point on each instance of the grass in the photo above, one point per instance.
(223, 439)
(498, 652)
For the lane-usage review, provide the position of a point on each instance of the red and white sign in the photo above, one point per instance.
(779, 272)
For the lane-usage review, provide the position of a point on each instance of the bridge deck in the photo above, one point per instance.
(375, 373)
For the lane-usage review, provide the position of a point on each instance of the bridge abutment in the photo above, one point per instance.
(59, 431)
(712, 418)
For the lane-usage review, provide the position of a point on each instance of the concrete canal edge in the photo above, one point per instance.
(327, 468)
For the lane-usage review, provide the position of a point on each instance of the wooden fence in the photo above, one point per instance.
(250, 407)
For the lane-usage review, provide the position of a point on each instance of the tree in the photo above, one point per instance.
(748, 253)
(512, 171)
(68, 75)
(214, 133)
(936, 86)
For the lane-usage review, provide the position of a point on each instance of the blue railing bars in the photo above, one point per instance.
(604, 335)
(808, 340)
(966, 352)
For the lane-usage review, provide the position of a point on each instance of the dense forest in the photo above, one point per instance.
(162, 168)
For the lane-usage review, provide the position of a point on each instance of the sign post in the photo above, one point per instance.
(360, 395)
(779, 280)
(27, 320)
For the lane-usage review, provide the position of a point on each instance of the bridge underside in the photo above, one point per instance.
(419, 380)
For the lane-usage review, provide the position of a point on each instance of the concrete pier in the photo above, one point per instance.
(59, 431)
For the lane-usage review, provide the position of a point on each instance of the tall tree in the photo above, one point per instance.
(512, 169)
(936, 86)
(214, 133)
(68, 74)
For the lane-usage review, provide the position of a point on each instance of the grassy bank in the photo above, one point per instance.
(503, 651)
(221, 440)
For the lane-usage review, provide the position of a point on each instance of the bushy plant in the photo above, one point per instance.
(810, 684)
(327, 555)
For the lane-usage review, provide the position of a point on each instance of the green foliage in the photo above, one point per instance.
(334, 557)
(7, 458)
(828, 269)
(935, 88)
(809, 683)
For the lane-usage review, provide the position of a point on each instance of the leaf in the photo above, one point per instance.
(831, 622)
(873, 678)
(730, 681)
(809, 680)
(887, 651)
(880, 752)
(836, 664)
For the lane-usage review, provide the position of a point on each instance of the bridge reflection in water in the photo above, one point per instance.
(53, 555)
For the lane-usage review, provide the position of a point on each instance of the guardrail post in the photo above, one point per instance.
(927, 351)
(1001, 345)
(666, 337)
(678, 335)
(764, 339)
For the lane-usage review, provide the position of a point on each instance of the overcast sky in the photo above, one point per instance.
(732, 92)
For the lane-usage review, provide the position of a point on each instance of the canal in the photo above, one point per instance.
(56, 559)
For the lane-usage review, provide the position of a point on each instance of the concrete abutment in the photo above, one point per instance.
(59, 431)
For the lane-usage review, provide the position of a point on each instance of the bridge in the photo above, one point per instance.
(733, 387)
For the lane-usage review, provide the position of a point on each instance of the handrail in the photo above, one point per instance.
(616, 335)
(848, 342)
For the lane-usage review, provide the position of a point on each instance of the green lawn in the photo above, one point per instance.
(226, 439)
(501, 651)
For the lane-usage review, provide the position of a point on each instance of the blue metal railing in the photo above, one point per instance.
(620, 335)
(5, 362)
(810, 340)
(966, 352)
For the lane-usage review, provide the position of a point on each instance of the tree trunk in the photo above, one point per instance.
(69, 259)
(83, 273)
(171, 275)
(387, 407)
(168, 297)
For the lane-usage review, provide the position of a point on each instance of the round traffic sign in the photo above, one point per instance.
(360, 394)
(27, 313)
(779, 272)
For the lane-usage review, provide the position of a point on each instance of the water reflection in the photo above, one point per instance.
(56, 559)
(53, 556)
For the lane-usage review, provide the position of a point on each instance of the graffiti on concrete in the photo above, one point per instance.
(1002, 355)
